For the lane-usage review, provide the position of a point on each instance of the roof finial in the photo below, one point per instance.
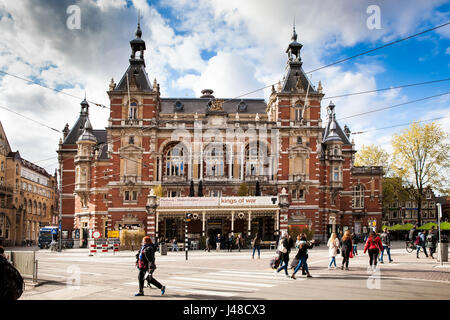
(294, 34)
(139, 31)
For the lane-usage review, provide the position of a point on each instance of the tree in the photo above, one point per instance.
(421, 156)
(191, 190)
(159, 192)
(257, 189)
(373, 155)
(200, 189)
(243, 190)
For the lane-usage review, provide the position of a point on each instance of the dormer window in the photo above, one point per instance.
(298, 112)
(242, 106)
(131, 140)
(178, 106)
(132, 112)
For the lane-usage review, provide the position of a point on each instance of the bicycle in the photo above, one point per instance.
(410, 246)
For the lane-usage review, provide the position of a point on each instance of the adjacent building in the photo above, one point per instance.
(406, 211)
(303, 169)
(28, 197)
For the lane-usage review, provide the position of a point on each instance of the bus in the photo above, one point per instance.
(49, 233)
(46, 235)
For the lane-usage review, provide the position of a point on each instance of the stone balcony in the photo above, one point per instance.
(131, 122)
(130, 178)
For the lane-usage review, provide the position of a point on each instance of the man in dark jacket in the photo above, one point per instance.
(146, 263)
(412, 233)
(11, 282)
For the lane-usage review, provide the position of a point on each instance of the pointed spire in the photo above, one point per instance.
(294, 34)
(294, 47)
(332, 134)
(138, 44)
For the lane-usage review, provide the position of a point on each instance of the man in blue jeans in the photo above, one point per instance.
(386, 242)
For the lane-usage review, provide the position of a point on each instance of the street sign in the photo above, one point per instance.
(54, 231)
(374, 223)
(113, 234)
(96, 234)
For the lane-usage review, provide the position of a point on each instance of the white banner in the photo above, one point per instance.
(186, 202)
(248, 201)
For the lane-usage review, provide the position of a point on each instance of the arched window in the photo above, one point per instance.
(175, 165)
(256, 155)
(30, 207)
(39, 209)
(35, 208)
(358, 197)
(214, 159)
(132, 111)
(17, 169)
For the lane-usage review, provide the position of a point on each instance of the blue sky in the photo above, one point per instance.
(230, 46)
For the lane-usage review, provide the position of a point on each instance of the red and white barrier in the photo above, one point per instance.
(101, 248)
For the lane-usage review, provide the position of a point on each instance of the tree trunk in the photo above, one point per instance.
(419, 208)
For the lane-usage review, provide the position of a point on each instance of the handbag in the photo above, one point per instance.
(351, 254)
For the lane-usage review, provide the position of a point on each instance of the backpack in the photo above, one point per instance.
(417, 242)
(12, 284)
(142, 259)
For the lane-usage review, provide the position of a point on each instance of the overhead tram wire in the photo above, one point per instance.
(399, 125)
(53, 89)
(349, 58)
(40, 123)
(396, 105)
(384, 89)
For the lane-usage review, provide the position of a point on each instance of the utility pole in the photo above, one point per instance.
(60, 204)
(439, 207)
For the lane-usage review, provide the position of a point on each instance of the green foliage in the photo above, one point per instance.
(159, 192)
(394, 190)
(295, 231)
(132, 238)
(243, 190)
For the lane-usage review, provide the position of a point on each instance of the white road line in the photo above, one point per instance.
(262, 285)
(202, 292)
(279, 277)
(207, 285)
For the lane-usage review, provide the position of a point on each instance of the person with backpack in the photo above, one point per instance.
(283, 249)
(333, 245)
(145, 262)
(374, 246)
(302, 256)
(386, 243)
(431, 242)
(11, 282)
(256, 243)
(420, 243)
(346, 248)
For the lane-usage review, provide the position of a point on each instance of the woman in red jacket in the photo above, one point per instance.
(373, 245)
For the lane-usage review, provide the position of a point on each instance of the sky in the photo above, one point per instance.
(233, 47)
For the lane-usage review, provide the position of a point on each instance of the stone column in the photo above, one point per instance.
(232, 221)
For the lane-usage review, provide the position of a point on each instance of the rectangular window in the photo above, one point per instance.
(299, 140)
(134, 195)
(215, 193)
(173, 194)
(127, 195)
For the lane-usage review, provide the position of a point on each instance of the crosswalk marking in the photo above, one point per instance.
(204, 292)
(262, 285)
(208, 285)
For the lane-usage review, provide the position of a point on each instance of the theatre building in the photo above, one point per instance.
(297, 170)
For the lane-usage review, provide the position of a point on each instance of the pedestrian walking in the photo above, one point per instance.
(346, 248)
(355, 242)
(386, 245)
(297, 242)
(174, 245)
(431, 242)
(421, 243)
(256, 244)
(230, 242)
(207, 247)
(218, 242)
(284, 255)
(302, 256)
(145, 262)
(333, 245)
(239, 242)
(373, 246)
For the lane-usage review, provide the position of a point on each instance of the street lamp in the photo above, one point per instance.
(150, 206)
(186, 240)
